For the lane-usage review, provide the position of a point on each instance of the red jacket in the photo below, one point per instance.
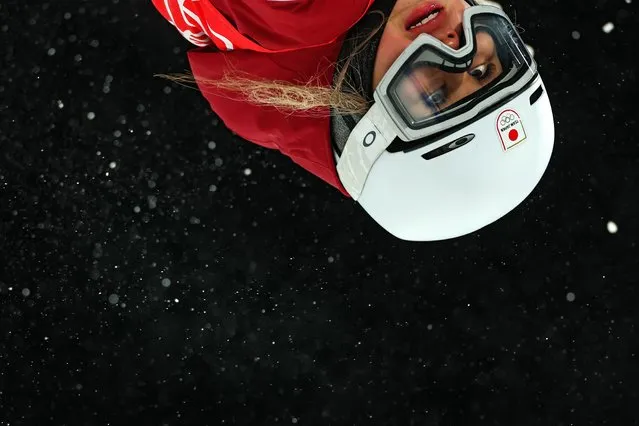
(289, 40)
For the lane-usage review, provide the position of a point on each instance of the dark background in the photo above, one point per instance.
(282, 301)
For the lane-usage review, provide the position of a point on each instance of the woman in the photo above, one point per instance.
(429, 113)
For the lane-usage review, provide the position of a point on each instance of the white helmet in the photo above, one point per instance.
(436, 157)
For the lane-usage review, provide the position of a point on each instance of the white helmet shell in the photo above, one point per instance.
(468, 187)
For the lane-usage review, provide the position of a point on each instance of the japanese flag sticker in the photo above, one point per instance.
(510, 128)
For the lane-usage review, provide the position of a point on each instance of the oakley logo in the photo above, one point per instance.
(507, 119)
(369, 139)
(445, 149)
(461, 141)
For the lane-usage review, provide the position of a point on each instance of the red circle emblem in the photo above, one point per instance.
(513, 135)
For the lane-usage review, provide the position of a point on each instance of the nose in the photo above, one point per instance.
(452, 39)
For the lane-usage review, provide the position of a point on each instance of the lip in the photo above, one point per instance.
(422, 11)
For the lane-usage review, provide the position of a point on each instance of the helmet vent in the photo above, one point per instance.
(536, 95)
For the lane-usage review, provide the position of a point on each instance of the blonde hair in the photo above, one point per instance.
(310, 98)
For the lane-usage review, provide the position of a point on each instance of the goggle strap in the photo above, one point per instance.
(370, 138)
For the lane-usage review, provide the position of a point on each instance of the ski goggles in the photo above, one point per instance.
(432, 89)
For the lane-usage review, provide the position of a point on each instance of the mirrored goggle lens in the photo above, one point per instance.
(433, 84)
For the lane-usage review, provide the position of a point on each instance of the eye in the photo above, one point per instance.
(480, 72)
(435, 99)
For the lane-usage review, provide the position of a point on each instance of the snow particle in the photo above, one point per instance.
(429, 326)
(608, 27)
(112, 165)
(153, 201)
(136, 209)
(166, 282)
(60, 104)
(51, 52)
(113, 299)
(612, 227)
(91, 115)
(97, 251)
(576, 35)
(212, 188)
(570, 297)
(331, 259)
(294, 420)
(211, 145)
(26, 292)
(247, 172)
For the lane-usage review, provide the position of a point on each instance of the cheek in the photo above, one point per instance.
(391, 45)
(459, 5)
(485, 43)
(485, 50)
